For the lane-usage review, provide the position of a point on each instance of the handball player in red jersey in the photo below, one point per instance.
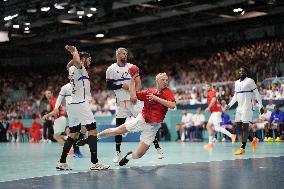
(156, 104)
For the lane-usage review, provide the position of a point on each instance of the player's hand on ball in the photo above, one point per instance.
(133, 71)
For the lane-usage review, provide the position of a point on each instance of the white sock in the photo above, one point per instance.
(210, 139)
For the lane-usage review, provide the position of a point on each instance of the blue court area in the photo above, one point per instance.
(187, 165)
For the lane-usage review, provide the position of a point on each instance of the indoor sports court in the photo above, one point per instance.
(141, 94)
(185, 166)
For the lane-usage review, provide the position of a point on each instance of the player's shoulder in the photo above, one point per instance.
(66, 86)
(250, 80)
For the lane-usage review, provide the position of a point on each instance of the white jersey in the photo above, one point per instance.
(80, 83)
(119, 75)
(265, 116)
(245, 91)
(187, 118)
(65, 92)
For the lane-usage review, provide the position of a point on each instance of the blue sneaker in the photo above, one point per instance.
(78, 155)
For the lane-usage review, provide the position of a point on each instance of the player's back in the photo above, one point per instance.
(119, 75)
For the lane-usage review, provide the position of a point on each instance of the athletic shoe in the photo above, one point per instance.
(160, 153)
(78, 155)
(209, 146)
(270, 139)
(265, 139)
(99, 166)
(233, 138)
(240, 151)
(82, 142)
(277, 139)
(63, 166)
(117, 157)
(223, 139)
(253, 144)
(124, 160)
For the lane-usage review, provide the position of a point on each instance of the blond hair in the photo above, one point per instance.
(119, 50)
(160, 75)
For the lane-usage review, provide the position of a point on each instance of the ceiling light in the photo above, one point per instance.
(100, 35)
(72, 10)
(31, 10)
(80, 16)
(58, 6)
(89, 15)
(27, 24)
(81, 12)
(94, 9)
(27, 28)
(238, 10)
(16, 26)
(10, 17)
(28, 31)
(45, 9)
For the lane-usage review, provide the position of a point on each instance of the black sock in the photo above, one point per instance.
(118, 140)
(117, 147)
(92, 141)
(178, 133)
(250, 138)
(67, 146)
(244, 145)
(156, 143)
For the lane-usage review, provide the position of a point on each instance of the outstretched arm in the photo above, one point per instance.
(76, 58)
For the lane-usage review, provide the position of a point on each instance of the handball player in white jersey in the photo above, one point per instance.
(245, 92)
(79, 110)
(118, 79)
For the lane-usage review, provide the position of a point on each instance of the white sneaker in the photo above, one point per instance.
(117, 157)
(49, 141)
(63, 166)
(160, 153)
(223, 139)
(99, 166)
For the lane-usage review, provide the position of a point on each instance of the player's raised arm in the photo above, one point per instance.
(76, 57)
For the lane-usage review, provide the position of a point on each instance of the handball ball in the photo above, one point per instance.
(133, 70)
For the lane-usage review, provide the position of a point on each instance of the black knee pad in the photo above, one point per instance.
(75, 129)
(120, 121)
(91, 126)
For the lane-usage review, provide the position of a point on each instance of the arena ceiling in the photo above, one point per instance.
(38, 25)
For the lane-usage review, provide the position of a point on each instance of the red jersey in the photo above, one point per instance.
(216, 107)
(60, 110)
(16, 125)
(154, 112)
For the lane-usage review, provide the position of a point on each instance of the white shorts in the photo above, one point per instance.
(244, 116)
(126, 109)
(215, 118)
(80, 114)
(59, 125)
(149, 130)
(261, 125)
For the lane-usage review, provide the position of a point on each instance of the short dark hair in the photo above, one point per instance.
(84, 54)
